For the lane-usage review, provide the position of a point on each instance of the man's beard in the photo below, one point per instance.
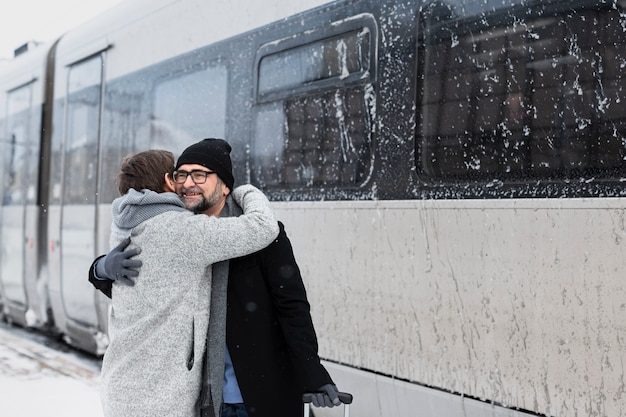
(200, 206)
(206, 203)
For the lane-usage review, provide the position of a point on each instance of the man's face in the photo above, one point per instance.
(201, 198)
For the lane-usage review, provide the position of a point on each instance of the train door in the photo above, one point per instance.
(14, 202)
(78, 195)
(20, 183)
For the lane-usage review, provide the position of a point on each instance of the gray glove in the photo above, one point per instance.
(327, 396)
(116, 265)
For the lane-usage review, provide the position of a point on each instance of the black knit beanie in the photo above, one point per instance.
(213, 154)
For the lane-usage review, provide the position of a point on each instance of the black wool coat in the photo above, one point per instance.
(269, 332)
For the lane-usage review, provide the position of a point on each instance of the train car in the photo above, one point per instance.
(450, 173)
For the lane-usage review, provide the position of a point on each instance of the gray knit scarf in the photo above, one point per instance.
(212, 385)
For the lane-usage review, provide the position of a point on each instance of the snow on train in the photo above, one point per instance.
(451, 174)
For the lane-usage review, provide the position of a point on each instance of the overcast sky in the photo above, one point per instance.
(22, 21)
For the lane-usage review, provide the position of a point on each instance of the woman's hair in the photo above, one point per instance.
(145, 170)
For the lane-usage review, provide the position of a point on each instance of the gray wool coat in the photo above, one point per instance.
(158, 327)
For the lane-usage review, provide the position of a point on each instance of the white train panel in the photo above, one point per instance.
(501, 300)
(140, 33)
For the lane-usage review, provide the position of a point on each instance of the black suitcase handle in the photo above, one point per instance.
(344, 397)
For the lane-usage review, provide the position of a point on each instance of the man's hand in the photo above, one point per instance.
(117, 264)
(326, 397)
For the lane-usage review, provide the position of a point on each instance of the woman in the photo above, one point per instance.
(158, 327)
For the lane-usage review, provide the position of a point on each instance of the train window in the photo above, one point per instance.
(325, 60)
(511, 92)
(83, 125)
(15, 152)
(167, 106)
(315, 101)
(188, 107)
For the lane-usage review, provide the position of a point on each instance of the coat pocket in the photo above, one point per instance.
(191, 347)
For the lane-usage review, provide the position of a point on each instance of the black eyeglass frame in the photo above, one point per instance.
(198, 176)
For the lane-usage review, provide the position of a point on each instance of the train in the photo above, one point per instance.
(450, 173)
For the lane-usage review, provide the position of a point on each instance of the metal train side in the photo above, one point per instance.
(507, 301)
(445, 276)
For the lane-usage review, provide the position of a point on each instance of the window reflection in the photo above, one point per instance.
(328, 58)
(169, 106)
(304, 93)
(515, 95)
(83, 125)
(189, 106)
(15, 150)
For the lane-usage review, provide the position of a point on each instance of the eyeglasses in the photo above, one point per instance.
(198, 176)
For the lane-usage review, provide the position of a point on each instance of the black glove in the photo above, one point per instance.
(326, 397)
(116, 264)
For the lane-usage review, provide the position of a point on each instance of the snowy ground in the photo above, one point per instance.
(37, 380)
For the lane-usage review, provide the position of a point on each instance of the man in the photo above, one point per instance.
(271, 348)
(153, 366)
